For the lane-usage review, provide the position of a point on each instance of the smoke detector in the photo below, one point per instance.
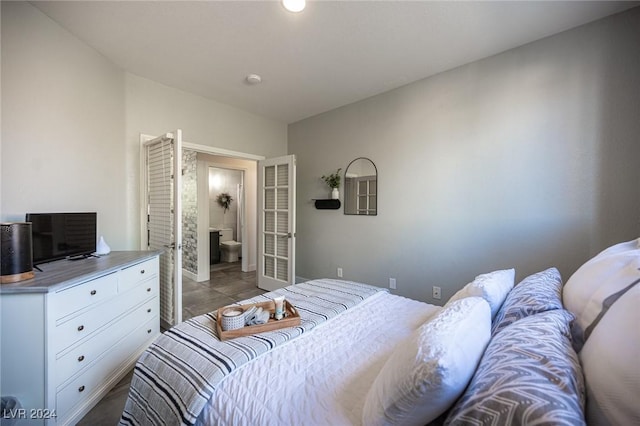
(254, 79)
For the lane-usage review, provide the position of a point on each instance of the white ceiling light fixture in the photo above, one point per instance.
(254, 79)
(294, 5)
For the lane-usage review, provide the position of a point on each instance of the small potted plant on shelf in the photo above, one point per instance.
(333, 181)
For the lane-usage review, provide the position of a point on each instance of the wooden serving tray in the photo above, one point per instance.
(291, 319)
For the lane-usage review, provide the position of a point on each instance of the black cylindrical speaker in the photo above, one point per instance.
(16, 263)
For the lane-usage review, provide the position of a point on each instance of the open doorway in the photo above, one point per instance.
(211, 276)
(226, 216)
(207, 177)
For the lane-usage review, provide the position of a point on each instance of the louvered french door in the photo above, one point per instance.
(276, 222)
(162, 157)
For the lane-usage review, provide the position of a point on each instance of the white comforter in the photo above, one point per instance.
(322, 377)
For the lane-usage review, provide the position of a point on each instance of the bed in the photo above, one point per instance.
(497, 353)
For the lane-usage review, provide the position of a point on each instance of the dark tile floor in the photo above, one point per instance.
(228, 284)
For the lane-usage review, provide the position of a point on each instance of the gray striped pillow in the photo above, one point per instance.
(539, 292)
(529, 374)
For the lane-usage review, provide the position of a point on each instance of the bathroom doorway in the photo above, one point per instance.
(236, 226)
(226, 214)
(205, 223)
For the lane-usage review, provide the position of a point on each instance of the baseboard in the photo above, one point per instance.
(190, 275)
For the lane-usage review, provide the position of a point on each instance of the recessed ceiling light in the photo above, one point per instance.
(254, 79)
(294, 5)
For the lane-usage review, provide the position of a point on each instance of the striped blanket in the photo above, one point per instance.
(176, 376)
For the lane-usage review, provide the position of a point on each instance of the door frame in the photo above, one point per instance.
(245, 249)
(221, 152)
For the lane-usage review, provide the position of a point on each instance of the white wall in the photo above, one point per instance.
(63, 113)
(527, 159)
(71, 122)
(224, 180)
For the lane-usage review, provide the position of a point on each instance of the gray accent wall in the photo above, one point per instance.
(527, 159)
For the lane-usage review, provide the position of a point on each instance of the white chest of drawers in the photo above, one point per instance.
(69, 335)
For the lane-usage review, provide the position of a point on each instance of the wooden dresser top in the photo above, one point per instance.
(61, 274)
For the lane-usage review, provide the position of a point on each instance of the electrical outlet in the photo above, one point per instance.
(392, 283)
(339, 272)
(436, 292)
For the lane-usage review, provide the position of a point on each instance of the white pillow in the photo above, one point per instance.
(424, 377)
(492, 287)
(611, 366)
(609, 331)
(607, 273)
(620, 247)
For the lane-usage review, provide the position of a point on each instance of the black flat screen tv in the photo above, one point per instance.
(62, 235)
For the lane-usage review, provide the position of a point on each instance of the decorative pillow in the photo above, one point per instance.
(492, 287)
(609, 273)
(529, 374)
(423, 377)
(604, 295)
(537, 293)
(611, 363)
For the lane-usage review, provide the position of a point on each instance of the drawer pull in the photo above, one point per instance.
(149, 331)
(93, 292)
(142, 271)
(149, 310)
(80, 327)
(149, 290)
(81, 358)
(81, 388)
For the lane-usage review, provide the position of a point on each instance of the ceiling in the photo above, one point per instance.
(331, 54)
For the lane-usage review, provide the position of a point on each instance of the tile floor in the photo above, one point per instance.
(228, 284)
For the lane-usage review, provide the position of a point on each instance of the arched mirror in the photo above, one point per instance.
(361, 188)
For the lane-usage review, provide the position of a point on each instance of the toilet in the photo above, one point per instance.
(229, 248)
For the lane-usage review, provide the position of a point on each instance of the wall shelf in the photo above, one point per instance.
(327, 204)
